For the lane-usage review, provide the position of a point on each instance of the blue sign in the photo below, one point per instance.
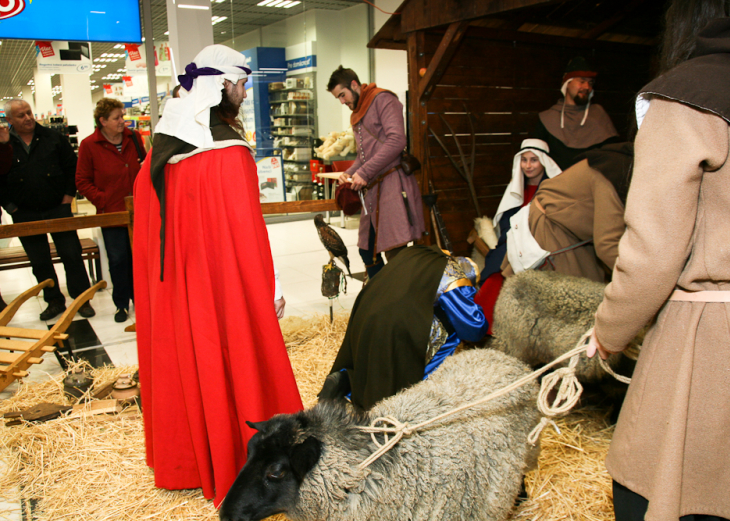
(301, 63)
(74, 20)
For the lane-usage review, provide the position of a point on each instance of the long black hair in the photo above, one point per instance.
(683, 20)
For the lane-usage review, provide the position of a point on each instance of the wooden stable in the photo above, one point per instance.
(484, 69)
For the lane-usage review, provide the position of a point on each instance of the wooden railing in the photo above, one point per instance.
(127, 218)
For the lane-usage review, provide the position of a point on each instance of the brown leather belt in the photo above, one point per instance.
(382, 176)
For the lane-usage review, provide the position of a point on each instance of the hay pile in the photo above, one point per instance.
(94, 467)
(571, 481)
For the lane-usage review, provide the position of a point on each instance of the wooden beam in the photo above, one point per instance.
(321, 205)
(425, 14)
(488, 33)
(389, 36)
(65, 224)
(441, 59)
(610, 22)
(417, 113)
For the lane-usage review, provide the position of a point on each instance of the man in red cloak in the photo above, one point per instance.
(211, 353)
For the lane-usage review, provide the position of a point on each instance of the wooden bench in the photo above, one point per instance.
(15, 257)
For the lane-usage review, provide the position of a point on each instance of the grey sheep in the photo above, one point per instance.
(541, 315)
(466, 467)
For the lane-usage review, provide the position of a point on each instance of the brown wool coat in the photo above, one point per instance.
(672, 441)
(579, 204)
(381, 138)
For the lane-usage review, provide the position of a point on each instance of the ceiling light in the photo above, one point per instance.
(292, 4)
(188, 6)
(277, 3)
(266, 2)
(218, 19)
(167, 33)
(286, 4)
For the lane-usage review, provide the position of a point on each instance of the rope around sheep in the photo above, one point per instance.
(567, 396)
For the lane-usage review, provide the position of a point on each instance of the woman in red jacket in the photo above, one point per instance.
(109, 160)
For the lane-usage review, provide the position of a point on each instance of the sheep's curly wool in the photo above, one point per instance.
(467, 467)
(541, 315)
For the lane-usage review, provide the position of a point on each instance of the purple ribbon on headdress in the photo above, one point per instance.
(192, 71)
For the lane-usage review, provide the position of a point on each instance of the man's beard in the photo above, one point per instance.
(230, 96)
(355, 98)
(581, 99)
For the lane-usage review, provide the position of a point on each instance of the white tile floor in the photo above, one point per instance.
(298, 255)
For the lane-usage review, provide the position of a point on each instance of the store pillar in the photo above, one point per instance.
(77, 103)
(190, 29)
(43, 94)
(27, 95)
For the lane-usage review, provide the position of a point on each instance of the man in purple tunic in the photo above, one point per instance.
(393, 212)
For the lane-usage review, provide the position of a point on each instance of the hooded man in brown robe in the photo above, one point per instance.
(574, 125)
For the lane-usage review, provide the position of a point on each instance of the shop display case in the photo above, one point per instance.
(293, 127)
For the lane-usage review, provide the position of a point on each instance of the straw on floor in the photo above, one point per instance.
(93, 467)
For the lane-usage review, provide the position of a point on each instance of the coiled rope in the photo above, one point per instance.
(567, 396)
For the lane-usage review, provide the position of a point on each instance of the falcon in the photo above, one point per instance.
(332, 241)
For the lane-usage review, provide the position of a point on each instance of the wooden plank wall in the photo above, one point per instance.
(505, 83)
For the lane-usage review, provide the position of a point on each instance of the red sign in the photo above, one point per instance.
(274, 163)
(10, 8)
(133, 51)
(127, 80)
(45, 47)
(108, 89)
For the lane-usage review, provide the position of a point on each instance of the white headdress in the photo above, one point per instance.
(188, 117)
(514, 195)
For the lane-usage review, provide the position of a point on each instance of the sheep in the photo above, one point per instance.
(466, 467)
(541, 315)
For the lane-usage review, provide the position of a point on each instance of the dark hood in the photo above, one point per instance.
(615, 162)
(701, 81)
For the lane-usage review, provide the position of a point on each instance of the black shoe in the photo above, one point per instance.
(55, 308)
(120, 315)
(3, 305)
(86, 310)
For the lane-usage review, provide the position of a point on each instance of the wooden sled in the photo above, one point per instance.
(20, 348)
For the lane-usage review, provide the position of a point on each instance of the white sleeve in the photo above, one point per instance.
(278, 293)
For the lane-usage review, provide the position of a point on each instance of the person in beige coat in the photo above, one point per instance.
(581, 211)
(670, 455)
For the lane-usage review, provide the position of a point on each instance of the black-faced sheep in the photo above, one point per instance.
(541, 315)
(467, 467)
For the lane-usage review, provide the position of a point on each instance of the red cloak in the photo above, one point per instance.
(211, 353)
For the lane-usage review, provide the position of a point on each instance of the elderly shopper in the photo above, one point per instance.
(211, 353)
(37, 183)
(109, 160)
(393, 213)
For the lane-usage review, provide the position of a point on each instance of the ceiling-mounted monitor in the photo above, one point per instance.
(78, 20)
